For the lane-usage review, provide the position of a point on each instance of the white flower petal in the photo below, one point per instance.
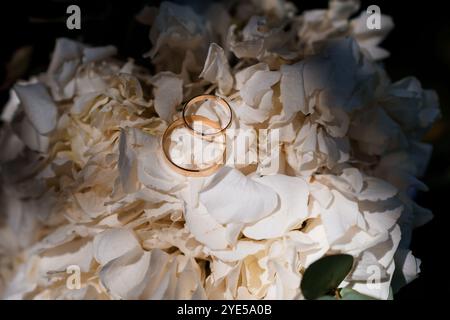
(217, 70)
(207, 230)
(98, 53)
(257, 85)
(168, 92)
(340, 216)
(77, 252)
(125, 277)
(293, 193)
(38, 106)
(292, 89)
(222, 198)
(376, 189)
(111, 244)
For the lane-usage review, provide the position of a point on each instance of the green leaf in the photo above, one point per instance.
(391, 294)
(350, 294)
(327, 297)
(324, 275)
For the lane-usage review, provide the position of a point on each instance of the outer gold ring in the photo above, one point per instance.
(166, 144)
(204, 97)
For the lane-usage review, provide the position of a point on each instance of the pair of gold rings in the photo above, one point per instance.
(187, 120)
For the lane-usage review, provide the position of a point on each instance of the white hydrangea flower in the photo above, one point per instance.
(84, 181)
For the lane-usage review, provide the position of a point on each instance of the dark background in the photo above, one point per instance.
(419, 46)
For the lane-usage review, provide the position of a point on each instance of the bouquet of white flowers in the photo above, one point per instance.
(85, 189)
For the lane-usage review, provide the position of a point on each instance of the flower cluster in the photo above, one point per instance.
(84, 182)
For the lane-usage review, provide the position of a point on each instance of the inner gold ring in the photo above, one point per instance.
(166, 145)
(205, 97)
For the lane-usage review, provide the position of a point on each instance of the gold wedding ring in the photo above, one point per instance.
(166, 145)
(188, 121)
(205, 97)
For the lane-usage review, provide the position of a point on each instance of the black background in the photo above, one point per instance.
(419, 46)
